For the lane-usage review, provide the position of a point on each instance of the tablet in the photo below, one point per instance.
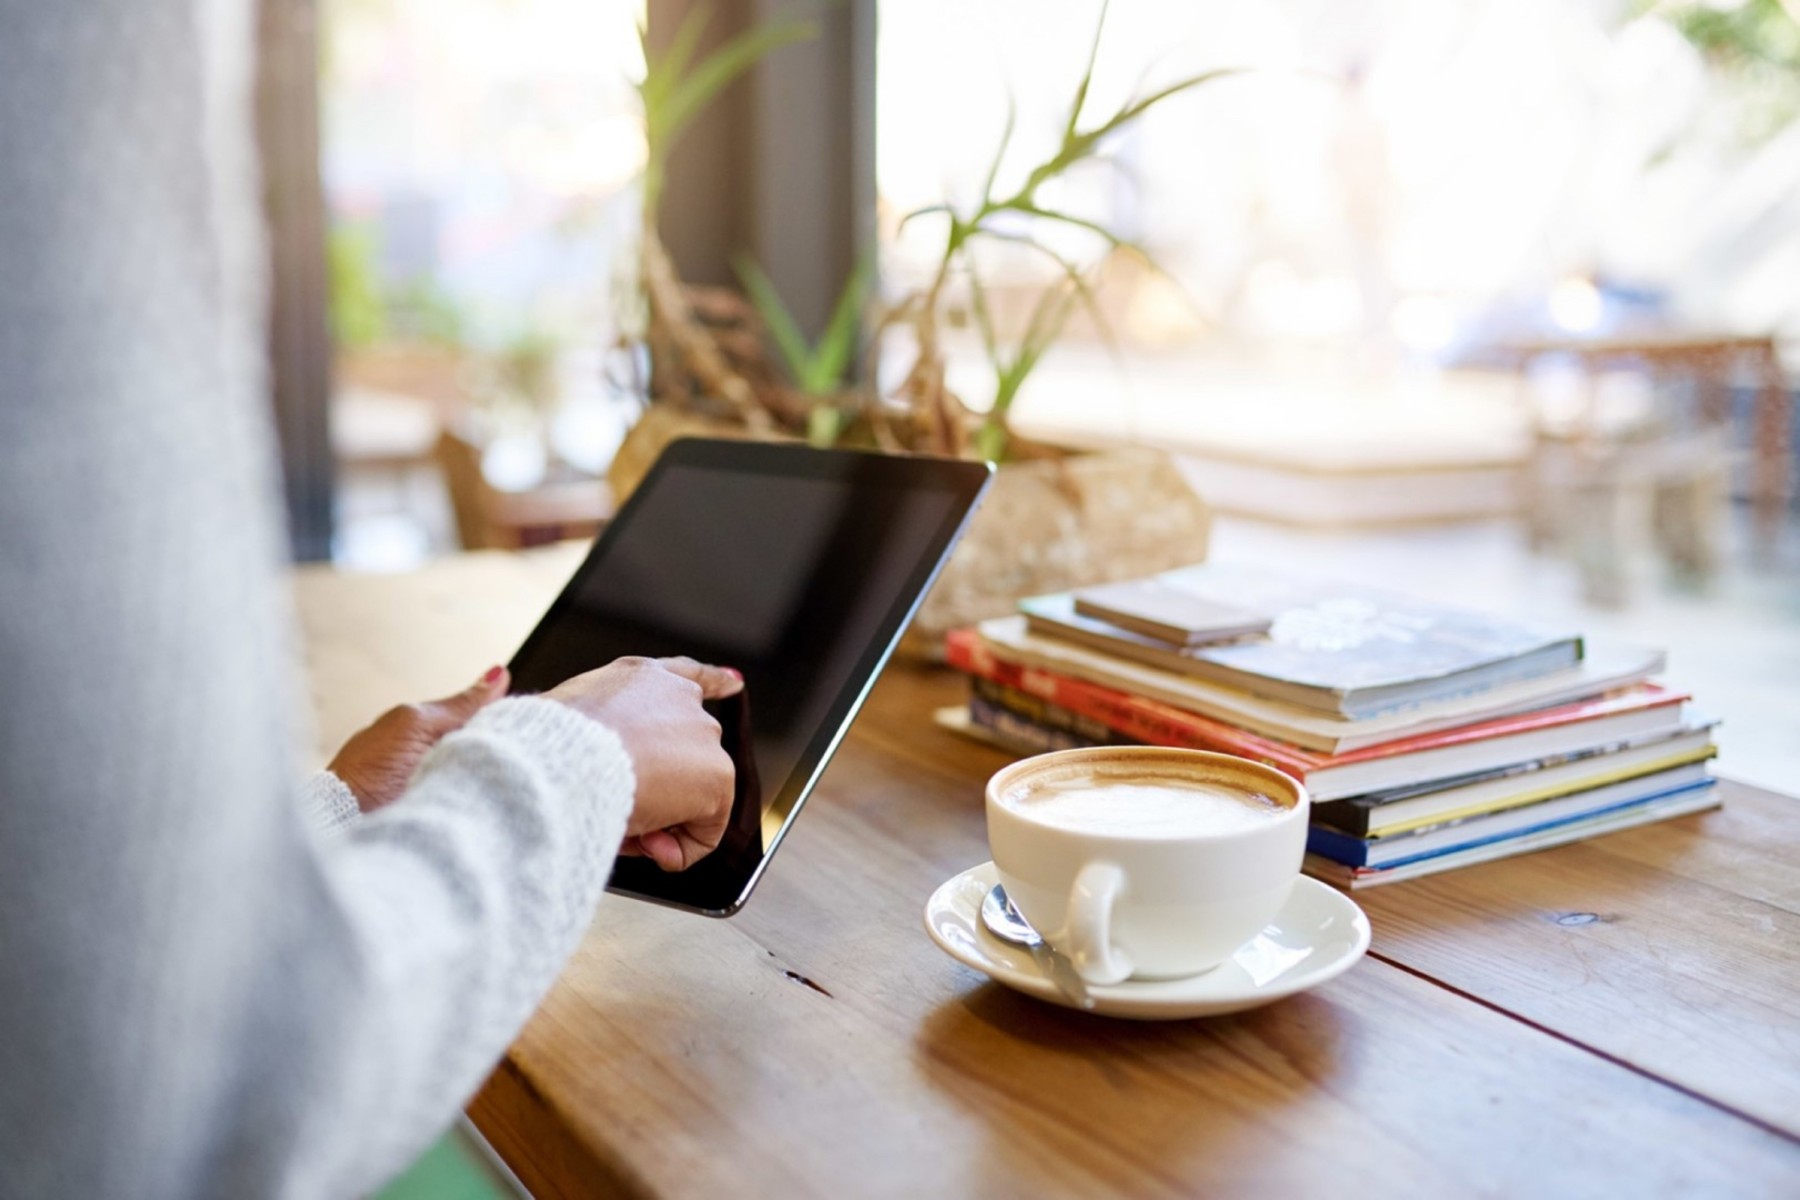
(798, 567)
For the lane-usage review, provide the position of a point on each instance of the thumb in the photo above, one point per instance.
(457, 710)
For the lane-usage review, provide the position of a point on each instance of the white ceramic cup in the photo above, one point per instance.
(1121, 905)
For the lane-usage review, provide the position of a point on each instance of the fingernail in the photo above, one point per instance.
(734, 673)
(493, 675)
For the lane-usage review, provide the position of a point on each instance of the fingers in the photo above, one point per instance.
(456, 711)
(670, 849)
(474, 698)
(664, 849)
(715, 682)
(681, 846)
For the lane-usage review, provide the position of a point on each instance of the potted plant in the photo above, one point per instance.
(1053, 519)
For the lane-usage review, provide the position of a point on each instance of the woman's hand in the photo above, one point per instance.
(378, 762)
(684, 778)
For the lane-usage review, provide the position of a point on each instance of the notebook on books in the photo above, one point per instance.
(1339, 648)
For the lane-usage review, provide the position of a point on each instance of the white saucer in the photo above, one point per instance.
(1317, 935)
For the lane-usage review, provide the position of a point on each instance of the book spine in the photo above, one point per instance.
(1336, 846)
(1352, 819)
(1023, 731)
(1043, 712)
(1135, 717)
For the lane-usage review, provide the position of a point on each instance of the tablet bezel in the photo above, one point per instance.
(966, 481)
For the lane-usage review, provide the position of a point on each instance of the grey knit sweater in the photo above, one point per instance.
(201, 993)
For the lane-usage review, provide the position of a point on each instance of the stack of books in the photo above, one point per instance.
(1429, 737)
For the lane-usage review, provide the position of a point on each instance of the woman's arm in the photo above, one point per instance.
(199, 994)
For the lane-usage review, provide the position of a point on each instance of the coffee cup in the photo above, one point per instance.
(1145, 862)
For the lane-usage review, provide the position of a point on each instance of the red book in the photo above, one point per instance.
(1440, 754)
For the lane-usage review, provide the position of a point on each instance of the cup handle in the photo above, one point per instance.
(1089, 936)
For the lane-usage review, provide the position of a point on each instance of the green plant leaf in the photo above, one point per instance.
(837, 344)
(1075, 278)
(927, 211)
(1047, 320)
(983, 320)
(823, 426)
(991, 440)
(358, 315)
(662, 70)
(1138, 108)
(817, 370)
(987, 185)
(718, 69)
(1087, 76)
(779, 321)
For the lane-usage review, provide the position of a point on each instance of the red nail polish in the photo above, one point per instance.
(493, 675)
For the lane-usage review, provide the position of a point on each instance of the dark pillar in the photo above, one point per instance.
(287, 118)
(782, 164)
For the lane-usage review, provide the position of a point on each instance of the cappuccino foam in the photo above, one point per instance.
(1160, 808)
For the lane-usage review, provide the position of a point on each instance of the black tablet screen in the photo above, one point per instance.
(796, 567)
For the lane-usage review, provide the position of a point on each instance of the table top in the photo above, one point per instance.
(1619, 1017)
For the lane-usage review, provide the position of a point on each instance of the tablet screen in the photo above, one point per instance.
(797, 567)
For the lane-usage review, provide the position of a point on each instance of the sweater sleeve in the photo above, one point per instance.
(200, 995)
(464, 898)
(328, 802)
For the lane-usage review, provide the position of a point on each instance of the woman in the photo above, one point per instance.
(203, 991)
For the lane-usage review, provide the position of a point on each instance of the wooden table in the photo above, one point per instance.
(1618, 1018)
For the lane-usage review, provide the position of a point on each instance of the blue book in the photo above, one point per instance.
(1519, 823)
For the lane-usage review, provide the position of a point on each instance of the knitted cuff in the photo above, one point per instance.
(328, 802)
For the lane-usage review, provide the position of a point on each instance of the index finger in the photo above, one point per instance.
(716, 683)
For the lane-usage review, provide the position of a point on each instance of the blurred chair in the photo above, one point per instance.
(390, 509)
(377, 430)
(490, 519)
(1680, 466)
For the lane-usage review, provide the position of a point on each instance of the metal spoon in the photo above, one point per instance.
(1009, 925)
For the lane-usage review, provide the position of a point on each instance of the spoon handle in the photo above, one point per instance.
(1063, 974)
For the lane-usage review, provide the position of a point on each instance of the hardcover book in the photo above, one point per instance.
(1464, 833)
(1389, 814)
(996, 696)
(1662, 808)
(1019, 730)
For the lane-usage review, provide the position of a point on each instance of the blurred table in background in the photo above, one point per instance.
(1712, 364)
(1310, 447)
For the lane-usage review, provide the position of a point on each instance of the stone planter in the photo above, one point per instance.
(1047, 525)
(1059, 523)
(650, 436)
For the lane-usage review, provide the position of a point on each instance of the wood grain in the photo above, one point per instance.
(818, 1044)
(1674, 947)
